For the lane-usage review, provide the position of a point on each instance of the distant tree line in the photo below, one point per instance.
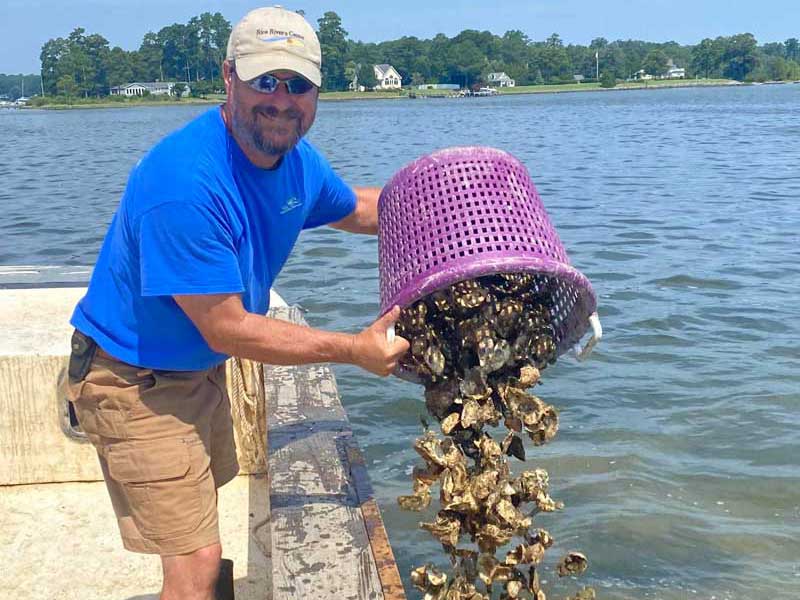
(85, 65)
(15, 86)
(467, 58)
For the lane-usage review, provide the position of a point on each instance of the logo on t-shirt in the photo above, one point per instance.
(290, 205)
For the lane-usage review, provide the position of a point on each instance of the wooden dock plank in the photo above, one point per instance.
(326, 530)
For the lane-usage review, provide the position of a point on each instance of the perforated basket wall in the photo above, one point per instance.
(465, 212)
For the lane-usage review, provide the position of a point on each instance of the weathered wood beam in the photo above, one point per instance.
(328, 540)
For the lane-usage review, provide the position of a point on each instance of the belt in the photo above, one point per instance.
(103, 354)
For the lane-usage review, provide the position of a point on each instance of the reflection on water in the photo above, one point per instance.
(678, 457)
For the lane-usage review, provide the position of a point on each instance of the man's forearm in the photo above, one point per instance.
(278, 342)
(229, 329)
(368, 202)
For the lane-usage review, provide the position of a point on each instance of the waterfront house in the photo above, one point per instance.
(500, 80)
(642, 75)
(154, 88)
(675, 73)
(388, 77)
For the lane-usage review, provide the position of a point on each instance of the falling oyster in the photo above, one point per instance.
(446, 528)
(479, 347)
(528, 376)
(586, 593)
(573, 563)
(439, 397)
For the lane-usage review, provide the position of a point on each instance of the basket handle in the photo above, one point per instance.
(597, 334)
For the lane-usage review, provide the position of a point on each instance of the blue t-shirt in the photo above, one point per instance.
(197, 217)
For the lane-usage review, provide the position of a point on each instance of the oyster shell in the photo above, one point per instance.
(573, 563)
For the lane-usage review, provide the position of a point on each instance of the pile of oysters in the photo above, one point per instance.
(478, 347)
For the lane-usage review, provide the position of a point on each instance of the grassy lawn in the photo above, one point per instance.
(362, 95)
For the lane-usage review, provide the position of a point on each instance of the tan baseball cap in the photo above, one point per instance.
(275, 39)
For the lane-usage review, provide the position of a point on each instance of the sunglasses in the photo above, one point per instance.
(268, 84)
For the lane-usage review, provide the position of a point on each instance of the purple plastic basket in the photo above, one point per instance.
(461, 213)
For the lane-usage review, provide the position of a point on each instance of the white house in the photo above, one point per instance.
(675, 73)
(642, 75)
(388, 78)
(155, 88)
(500, 80)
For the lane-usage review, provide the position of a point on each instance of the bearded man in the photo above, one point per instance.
(182, 282)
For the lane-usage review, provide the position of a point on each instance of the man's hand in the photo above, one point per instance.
(373, 351)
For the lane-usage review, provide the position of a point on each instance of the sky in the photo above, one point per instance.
(25, 25)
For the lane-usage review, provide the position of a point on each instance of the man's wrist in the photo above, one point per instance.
(350, 349)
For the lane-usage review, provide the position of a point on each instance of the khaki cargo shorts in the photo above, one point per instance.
(165, 444)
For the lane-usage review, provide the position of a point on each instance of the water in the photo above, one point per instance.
(679, 450)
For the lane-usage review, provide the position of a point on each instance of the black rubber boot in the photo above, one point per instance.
(224, 589)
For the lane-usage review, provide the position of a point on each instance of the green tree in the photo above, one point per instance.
(608, 80)
(792, 49)
(514, 55)
(180, 50)
(739, 57)
(655, 63)
(438, 53)
(554, 41)
(417, 79)
(333, 42)
(149, 66)
(119, 69)
(707, 58)
(212, 37)
(66, 86)
(366, 76)
(53, 52)
(514, 47)
(351, 72)
(406, 55)
(552, 59)
(465, 63)
(98, 54)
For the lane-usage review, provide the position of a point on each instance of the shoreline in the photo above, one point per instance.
(193, 101)
(426, 94)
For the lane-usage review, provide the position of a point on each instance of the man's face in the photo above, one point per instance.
(270, 124)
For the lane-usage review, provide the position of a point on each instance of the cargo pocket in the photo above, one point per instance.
(101, 425)
(164, 493)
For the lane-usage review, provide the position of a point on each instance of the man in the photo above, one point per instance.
(207, 220)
